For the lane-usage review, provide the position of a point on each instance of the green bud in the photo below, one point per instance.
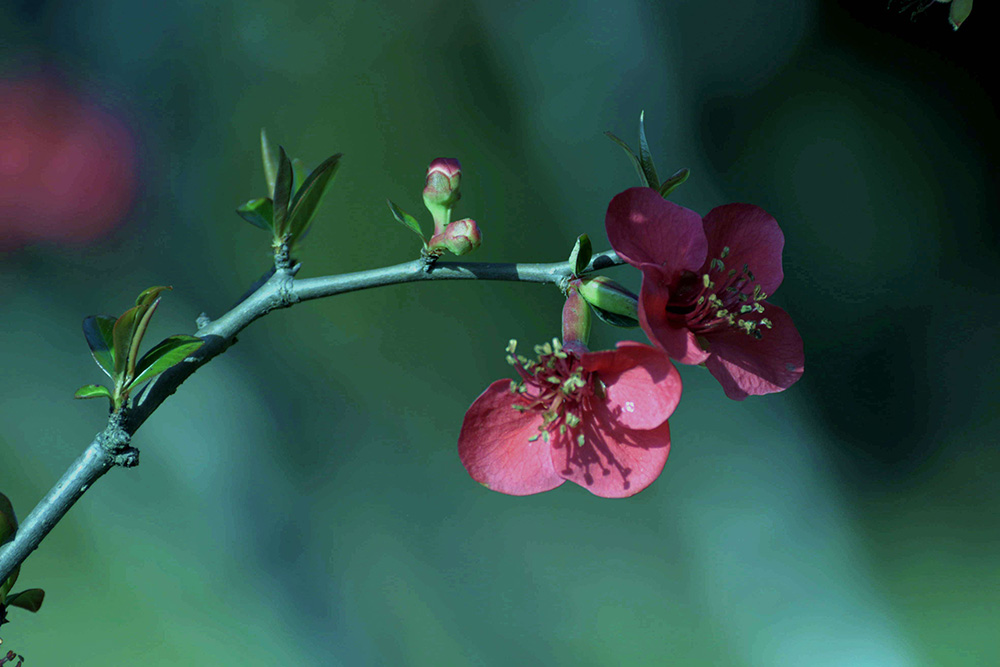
(604, 293)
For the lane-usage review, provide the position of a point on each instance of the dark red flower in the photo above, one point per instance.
(705, 285)
(598, 419)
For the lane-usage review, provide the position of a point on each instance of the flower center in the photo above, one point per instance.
(558, 387)
(718, 299)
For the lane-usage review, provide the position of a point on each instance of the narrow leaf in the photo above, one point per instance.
(308, 197)
(282, 193)
(405, 218)
(645, 157)
(129, 329)
(299, 172)
(99, 332)
(93, 391)
(632, 157)
(8, 520)
(672, 183)
(614, 320)
(258, 212)
(137, 335)
(123, 329)
(167, 353)
(30, 599)
(150, 294)
(270, 157)
(579, 258)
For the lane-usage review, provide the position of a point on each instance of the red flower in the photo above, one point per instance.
(704, 285)
(67, 167)
(598, 419)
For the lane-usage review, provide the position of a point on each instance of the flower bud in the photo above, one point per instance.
(576, 320)
(441, 190)
(604, 293)
(460, 237)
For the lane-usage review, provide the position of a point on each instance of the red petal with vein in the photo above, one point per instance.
(633, 459)
(494, 445)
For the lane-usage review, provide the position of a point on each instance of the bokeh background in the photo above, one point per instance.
(300, 500)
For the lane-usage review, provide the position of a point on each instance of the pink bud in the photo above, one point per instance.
(576, 320)
(441, 190)
(460, 237)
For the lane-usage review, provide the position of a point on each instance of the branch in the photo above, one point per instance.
(279, 290)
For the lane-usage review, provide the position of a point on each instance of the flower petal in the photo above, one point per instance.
(644, 228)
(624, 461)
(677, 341)
(643, 387)
(494, 445)
(753, 238)
(746, 366)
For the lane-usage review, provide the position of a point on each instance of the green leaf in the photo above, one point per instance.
(299, 171)
(30, 599)
(167, 353)
(282, 193)
(615, 320)
(579, 258)
(140, 331)
(645, 157)
(9, 584)
(308, 197)
(270, 157)
(99, 332)
(8, 520)
(632, 156)
(150, 294)
(123, 329)
(93, 391)
(405, 218)
(258, 212)
(672, 183)
(129, 330)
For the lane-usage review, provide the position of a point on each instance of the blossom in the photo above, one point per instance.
(598, 419)
(68, 169)
(704, 288)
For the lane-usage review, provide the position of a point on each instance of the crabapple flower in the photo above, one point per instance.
(704, 288)
(598, 419)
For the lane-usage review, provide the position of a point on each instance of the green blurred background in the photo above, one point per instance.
(300, 500)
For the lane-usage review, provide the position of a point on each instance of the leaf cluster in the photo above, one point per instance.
(114, 343)
(295, 196)
(643, 163)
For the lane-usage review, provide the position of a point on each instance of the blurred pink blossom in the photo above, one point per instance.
(67, 167)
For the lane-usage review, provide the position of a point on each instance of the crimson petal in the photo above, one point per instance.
(747, 366)
(753, 238)
(644, 228)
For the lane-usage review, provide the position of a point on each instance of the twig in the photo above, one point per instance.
(112, 447)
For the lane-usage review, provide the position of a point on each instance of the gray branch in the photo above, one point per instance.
(279, 289)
